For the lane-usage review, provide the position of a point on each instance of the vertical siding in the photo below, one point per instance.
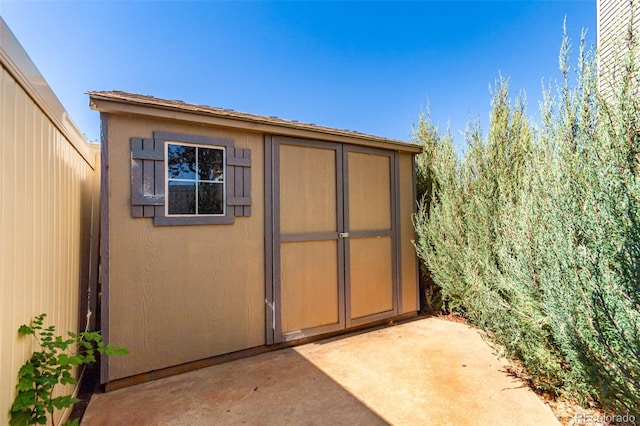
(613, 19)
(47, 194)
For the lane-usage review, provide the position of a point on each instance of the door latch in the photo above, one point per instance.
(343, 235)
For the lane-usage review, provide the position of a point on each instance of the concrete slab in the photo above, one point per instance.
(425, 372)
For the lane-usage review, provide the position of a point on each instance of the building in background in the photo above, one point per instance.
(615, 19)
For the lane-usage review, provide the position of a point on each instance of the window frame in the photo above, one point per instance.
(161, 211)
(196, 180)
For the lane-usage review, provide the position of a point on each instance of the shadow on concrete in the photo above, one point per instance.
(274, 388)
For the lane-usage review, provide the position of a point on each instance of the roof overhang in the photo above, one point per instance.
(130, 104)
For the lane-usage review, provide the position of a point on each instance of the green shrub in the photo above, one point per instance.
(52, 365)
(535, 234)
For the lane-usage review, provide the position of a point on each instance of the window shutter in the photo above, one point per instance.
(147, 176)
(148, 179)
(239, 181)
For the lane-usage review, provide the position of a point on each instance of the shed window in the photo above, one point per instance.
(195, 180)
(206, 180)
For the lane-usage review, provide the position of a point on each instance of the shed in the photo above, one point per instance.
(223, 233)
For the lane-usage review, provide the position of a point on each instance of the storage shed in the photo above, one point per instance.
(225, 232)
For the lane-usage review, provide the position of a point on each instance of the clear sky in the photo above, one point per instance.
(365, 66)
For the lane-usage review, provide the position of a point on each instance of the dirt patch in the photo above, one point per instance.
(452, 318)
(571, 413)
(568, 412)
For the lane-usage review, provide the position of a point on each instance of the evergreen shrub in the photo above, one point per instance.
(534, 233)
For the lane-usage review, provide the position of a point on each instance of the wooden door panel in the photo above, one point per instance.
(371, 276)
(307, 189)
(369, 191)
(309, 284)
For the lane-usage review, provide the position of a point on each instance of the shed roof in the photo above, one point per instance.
(118, 102)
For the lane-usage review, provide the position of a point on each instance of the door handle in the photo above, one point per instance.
(343, 235)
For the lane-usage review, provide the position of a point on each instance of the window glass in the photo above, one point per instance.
(210, 198)
(211, 163)
(182, 162)
(195, 180)
(182, 197)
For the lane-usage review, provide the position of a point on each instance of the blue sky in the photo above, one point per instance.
(365, 66)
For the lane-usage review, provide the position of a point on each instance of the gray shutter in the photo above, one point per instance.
(147, 176)
(239, 181)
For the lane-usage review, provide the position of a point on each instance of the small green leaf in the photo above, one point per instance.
(67, 381)
(63, 359)
(25, 384)
(26, 370)
(25, 330)
(64, 401)
(75, 360)
(116, 350)
(20, 418)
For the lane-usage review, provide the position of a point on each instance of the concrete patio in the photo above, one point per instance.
(424, 372)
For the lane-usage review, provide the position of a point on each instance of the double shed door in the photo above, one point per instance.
(334, 237)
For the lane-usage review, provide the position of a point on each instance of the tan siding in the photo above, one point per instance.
(181, 293)
(408, 264)
(46, 196)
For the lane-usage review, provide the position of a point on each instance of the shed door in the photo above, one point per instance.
(370, 248)
(334, 245)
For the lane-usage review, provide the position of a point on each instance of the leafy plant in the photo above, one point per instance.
(50, 366)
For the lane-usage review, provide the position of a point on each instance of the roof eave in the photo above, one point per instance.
(114, 105)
